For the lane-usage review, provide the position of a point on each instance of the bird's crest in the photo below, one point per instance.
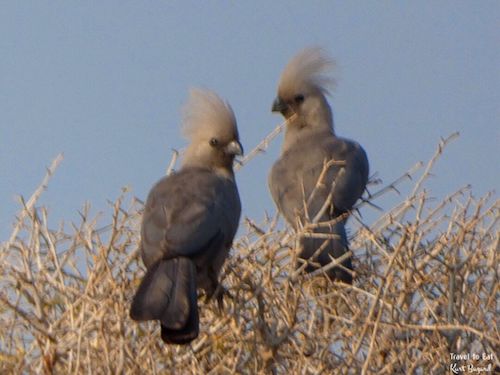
(306, 70)
(206, 115)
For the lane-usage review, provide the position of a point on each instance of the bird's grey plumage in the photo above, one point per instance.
(310, 143)
(189, 221)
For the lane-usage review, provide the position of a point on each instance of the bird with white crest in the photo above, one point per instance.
(190, 220)
(319, 176)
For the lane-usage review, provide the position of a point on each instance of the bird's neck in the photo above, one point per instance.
(224, 172)
(299, 129)
(221, 170)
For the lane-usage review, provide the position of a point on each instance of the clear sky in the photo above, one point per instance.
(104, 82)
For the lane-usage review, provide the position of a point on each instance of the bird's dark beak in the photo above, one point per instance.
(279, 105)
(234, 148)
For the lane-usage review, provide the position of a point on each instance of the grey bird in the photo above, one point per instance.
(311, 146)
(189, 221)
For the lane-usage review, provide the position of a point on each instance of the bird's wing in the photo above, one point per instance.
(351, 182)
(184, 212)
(294, 179)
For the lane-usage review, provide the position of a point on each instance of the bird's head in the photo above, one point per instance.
(210, 125)
(303, 87)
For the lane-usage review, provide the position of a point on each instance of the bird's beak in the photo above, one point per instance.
(234, 148)
(279, 105)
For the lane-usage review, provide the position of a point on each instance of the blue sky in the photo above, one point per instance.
(104, 82)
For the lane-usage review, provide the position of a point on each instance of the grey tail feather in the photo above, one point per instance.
(335, 248)
(187, 333)
(168, 294)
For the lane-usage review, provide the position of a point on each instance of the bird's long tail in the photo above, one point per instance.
(335, 247)
(168, 294)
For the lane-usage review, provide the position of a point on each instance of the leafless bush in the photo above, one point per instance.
(426, 285)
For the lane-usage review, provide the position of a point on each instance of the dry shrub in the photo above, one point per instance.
(426, 285)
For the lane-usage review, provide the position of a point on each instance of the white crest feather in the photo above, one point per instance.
(206, 115)
(308, 69)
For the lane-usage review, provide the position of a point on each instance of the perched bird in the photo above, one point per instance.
(311, 147)
(189, 222)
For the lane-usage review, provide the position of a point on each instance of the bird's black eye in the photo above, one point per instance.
(214, 142)
(299, 98)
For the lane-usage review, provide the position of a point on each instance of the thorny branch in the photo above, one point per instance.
(66, 293)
